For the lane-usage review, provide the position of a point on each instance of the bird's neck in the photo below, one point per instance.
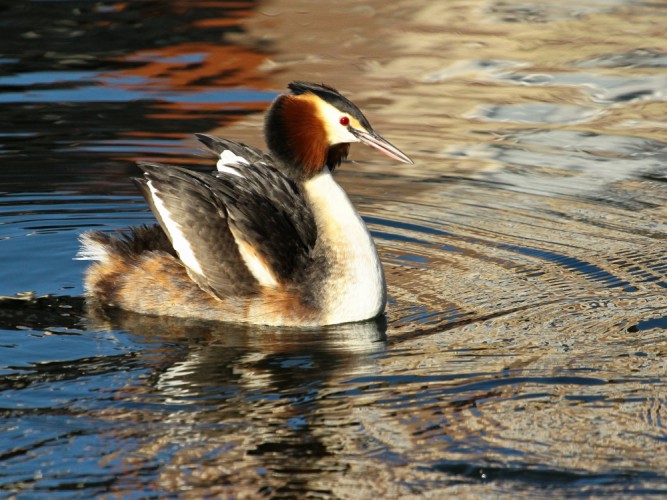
(354, 287)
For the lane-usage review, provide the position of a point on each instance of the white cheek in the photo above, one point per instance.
(337, 133)
(340, 134)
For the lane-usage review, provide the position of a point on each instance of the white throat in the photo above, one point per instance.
(355, 287)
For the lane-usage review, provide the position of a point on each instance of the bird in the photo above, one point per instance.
(265, 239)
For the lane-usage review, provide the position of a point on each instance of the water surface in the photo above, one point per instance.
(523, 351)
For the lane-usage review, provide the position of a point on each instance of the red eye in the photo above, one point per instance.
(344, 121)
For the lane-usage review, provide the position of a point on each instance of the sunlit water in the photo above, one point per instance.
(523, 352)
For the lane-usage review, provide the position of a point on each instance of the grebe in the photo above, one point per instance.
(266, 239)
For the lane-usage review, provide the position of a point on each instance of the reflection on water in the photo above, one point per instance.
(88, 89)
(231, 398)
(523, 350)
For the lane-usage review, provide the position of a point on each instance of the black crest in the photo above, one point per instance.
(332, 96)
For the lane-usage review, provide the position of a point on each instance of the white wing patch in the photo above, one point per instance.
(257, 266)
(178, 240)
(228, 163)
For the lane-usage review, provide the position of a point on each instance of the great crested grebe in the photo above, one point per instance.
(266, 239)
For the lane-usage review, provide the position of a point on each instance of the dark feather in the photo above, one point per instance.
(265, 207)
(132, 244)
(142, 185)
(269, 210)
(332, 96)
(202, 218)
(217, 145)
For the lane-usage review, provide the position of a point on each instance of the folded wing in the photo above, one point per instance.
(245, 226)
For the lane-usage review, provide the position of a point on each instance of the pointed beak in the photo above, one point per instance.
(381, 144)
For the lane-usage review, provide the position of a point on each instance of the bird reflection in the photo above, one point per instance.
(276, 353)
(248, 396)
(210, 402)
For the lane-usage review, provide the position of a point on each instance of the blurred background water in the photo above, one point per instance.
(523, 352)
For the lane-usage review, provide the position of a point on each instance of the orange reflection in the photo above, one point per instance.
(197, 65)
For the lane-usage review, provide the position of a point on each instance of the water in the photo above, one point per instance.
(523, 352)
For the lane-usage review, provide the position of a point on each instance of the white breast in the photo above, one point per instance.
(355, 288)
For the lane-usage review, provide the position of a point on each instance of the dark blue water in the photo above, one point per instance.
(523, 351)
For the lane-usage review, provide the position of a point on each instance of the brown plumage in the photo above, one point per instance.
(304, 134)
(132, 268)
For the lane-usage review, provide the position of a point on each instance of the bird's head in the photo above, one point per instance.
(312, 127)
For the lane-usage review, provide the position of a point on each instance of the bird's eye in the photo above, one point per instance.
(344, 121)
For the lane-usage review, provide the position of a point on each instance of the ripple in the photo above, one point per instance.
(603, 89)
(38, 230)
(96, 93)
(635, 58)
(535, 12)
(542, 478)
(535, 113)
